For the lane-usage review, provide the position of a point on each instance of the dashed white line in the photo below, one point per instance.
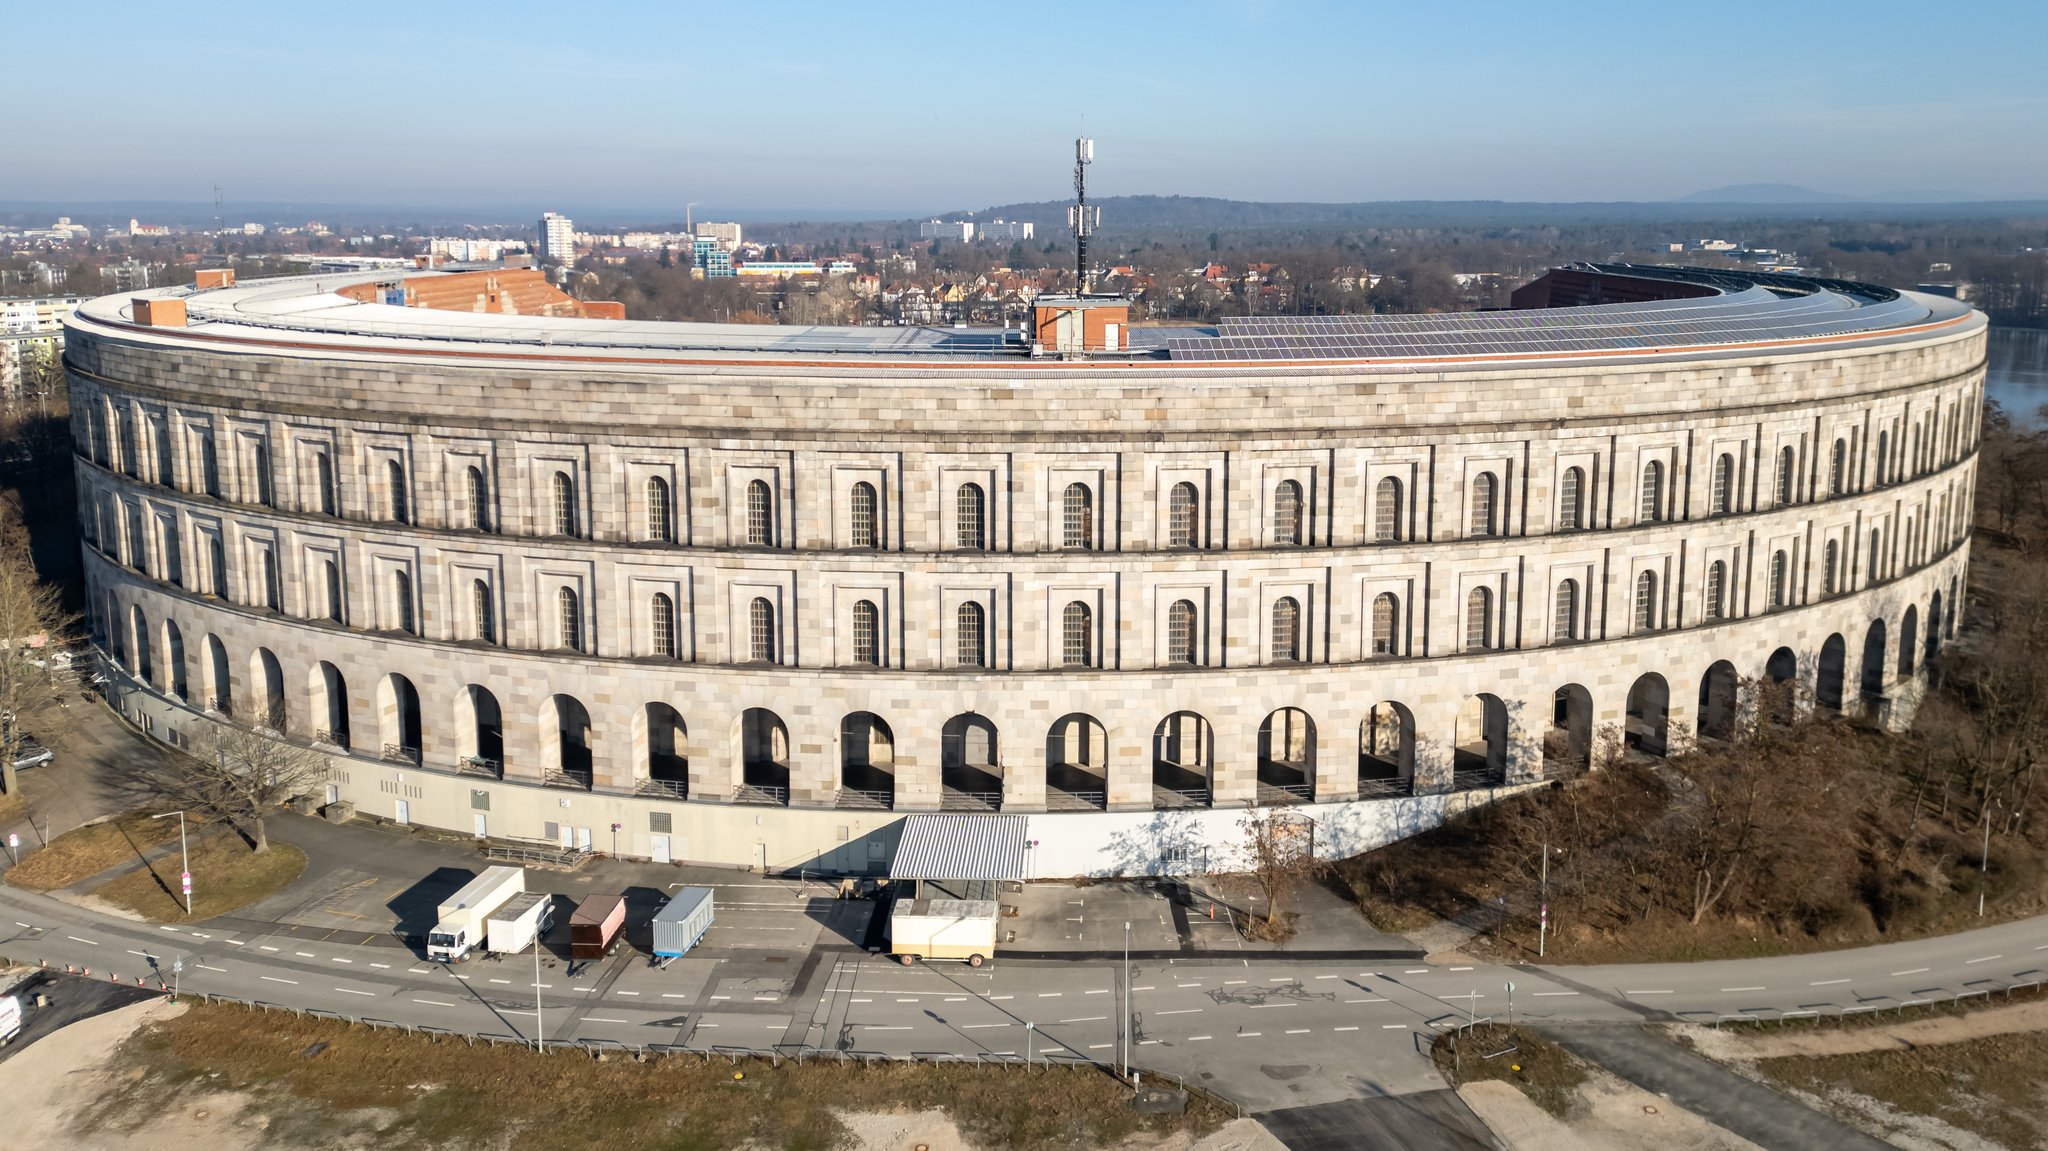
(303, 954)
(1102, 991)
(204, 967)
(346, 991)
(595, 1019)
(996, 997)
(339, 959)
(275, 979)
(1367, 999)
(1393, 1027)
(1260, 1006)
(1099, 1046)
(673, 995)
(1743, 989)
(1416, 971)
(1556, 993)
(1984, 959)
(629, 993)
(1344, 1029)
(267, 947)
(1086, 1019)
(433, 1003)
(1234, 982)
(1199, 1038)
(1666, 991)
(1249, 1034)
(504, 981)
(1329, 977)
(899, 1000)
(1461, 969)
(869, 1026)
(236, 942)
(976, 1026)
(382, 966)
(1187, 985)
(1148, 1042)
(1179, 1011)
(88, 942)
(144, 954)
(1910, 971)
(1146, 987)
(1050, 994)
(1826, 982)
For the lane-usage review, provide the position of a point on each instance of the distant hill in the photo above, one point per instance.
(1765, 194)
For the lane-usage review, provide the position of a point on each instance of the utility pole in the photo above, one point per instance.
(1124, 1022)
(1082, 218)
(540, 1040)
(1543, 901)
(184, 855)
(1984, 857)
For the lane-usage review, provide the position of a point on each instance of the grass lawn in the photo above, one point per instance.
(1545, 1072)
(226, 876)
(1990, 1086)
(405, 1088)
(86, 851)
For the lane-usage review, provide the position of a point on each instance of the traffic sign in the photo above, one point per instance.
(188, 882)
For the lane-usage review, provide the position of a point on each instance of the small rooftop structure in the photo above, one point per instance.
(960, 847)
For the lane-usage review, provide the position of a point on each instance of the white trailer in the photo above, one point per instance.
(460, 920)
(513, 927)
(963, 929)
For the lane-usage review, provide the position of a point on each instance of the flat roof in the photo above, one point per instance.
(967, 847)
(1742, 310)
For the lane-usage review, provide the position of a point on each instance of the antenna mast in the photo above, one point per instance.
(1080, 217)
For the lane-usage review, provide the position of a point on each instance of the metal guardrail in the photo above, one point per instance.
(542, 855)
(1165, 797)
(761, 794)
(951, 799)
(668, 788)
(399, 753)
(1057, 799)
(1385, 788)
(478, 765)
(855, 799)
(567, 778)
(331, 738)
(1475, 778)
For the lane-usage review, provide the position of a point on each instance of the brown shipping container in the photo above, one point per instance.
(595, 924)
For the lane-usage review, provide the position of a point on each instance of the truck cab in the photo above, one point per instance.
(448, 943)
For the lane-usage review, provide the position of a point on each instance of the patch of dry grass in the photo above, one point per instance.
(415, 1090)
(226, 876)
(1548, 1074)
(86, 851)
(1990, 1086)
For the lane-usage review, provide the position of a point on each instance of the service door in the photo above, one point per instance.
(333, 793)
(657, 848)
(583, 839)
(483, 825)
(761, 856)
(404, 813)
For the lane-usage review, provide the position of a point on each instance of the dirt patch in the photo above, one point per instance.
(394, 1088)
(1749, 1046)
(1607, 1115)
(226, 876)
(1952, 1095)
(84, 852)
(1548, 1074)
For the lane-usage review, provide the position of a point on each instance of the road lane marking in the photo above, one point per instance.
(974, 1026)
(595, 1019)
(88, 942)
(1187, 985)
(1199, 1038)
(1826, 982)
(629, 993)
(1416, 971)
(267, 947)
(303, 954)
(236, 942)
(1345, 1029)
(1666, 991)
(339, 959)
(995, 997)
(505, 981)
(1298, 1031)
(433, 1003)
(1393, 1027)
(1912, 971)
(1328, 977)
(1367, 999)
(1146, 987)
(664, 996)
(1743, 989)
(899, 1000)
(1050, 994)
(204, 967)
(1086, 1019)
(1461, 969)
(346, 991)
(1147, 1042)
(1051, 1050)
(1103, 991)
(275, 979)
(1234, 982)
(1556, 993)
(954, 999)
(1179, 1011)
(869, 1026)
(1099, 1046)
(383, 966)
(1249, 1034)
(144, 954)
(1257, 1006)
(1985, 959)
(674, 995)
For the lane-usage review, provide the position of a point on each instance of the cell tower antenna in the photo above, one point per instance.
(1082, 217)
(220, 225)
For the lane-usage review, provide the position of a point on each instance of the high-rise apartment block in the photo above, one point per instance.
(557, 239)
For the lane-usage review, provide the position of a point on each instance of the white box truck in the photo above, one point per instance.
(513, 927)
(461, 919)
(962, 929)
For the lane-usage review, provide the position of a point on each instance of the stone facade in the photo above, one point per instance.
(823, 666)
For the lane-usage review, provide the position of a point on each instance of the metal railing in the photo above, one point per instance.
(399, 753)
(1057, 799)
(1475, 778)
(856, 799)
(478, 765)
(1385, 788)
(331, 738)
(1168, 797)
(668, 788)
(568, 778)
(952, 799)
(761, 794)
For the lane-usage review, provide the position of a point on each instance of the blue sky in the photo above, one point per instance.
(920, 107)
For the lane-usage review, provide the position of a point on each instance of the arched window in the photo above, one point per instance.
(970, 638)
(1180, 632)
(1646, 602)
(1883, 458)
(323, 476)
(866, 534)
(483, 612)
(1876, 554)
(209, 466)
(660, 525)
(479, 500)
(217, 560)
(661, 617)
(396, 504)
(761, 631)
(1838, 468)
(1386, 510)
(272, 596)
(1182, 504)
(1570, 496)
(401, 595)
(173, 556)
(333, 591)
(1078, 515)
(1386, 617)
(1787, 480)
(969, 514)
(1485, 494)
(1777, 579)
(1717, 590)
(569, 609)
(1651, 509)
(1286, 629)
(867, 634)
(1722, 495)
(1479, 619)
(1565, 624)
(565, 504)
(1287, 514)
(1829, 570)
(1077, 635)
(260, 457)
(760, 515)
(160, 431)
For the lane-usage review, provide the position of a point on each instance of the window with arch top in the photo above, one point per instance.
(1651, 509)
(1386, 621)
(1721, 494)
(867, 532)
(1571, 499)
(662, 620)
(1078, 517)
(761, 646)
(970, 640)
(1287, 514)
(401, 595)
(867, 634)
(395, 502)
(760, 515)
(483, 620)
(1485, 503)
(1646, 602)
(1788, 479)
(479, 500)
(1838, 468)
(970, 516)
(1717, 590)
(1565, 624)
(1830, 568)
(569, 610)
(1386, 510)
(660, 516)
(1778, 575)
(1077, 635)
(1183, 529)
(1180, 632)
(565, 504)
(1285, 643)
(1479, 619)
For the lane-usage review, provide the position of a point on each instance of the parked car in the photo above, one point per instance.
(31, 753)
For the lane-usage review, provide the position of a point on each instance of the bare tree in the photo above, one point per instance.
(31, 618)
(241, 774)
(1281, 846)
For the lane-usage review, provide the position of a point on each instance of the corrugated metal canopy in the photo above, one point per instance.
(960, 847)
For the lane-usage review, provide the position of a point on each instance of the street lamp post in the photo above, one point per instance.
(540, 1035)
(1984, 858)
(1030, 1030)
(185, 857)
(1124, 1022)
(177, 970)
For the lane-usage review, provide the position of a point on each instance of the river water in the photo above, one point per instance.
(2017, 374)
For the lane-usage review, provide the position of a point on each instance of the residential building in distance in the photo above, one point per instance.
(960, 230)
(126, 276)
(138, 228)
(1000, 229)
(727, 234)
(458, 248)
(557, 239)
(710, 258)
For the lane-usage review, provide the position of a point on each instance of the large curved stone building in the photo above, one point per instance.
(742, 594)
